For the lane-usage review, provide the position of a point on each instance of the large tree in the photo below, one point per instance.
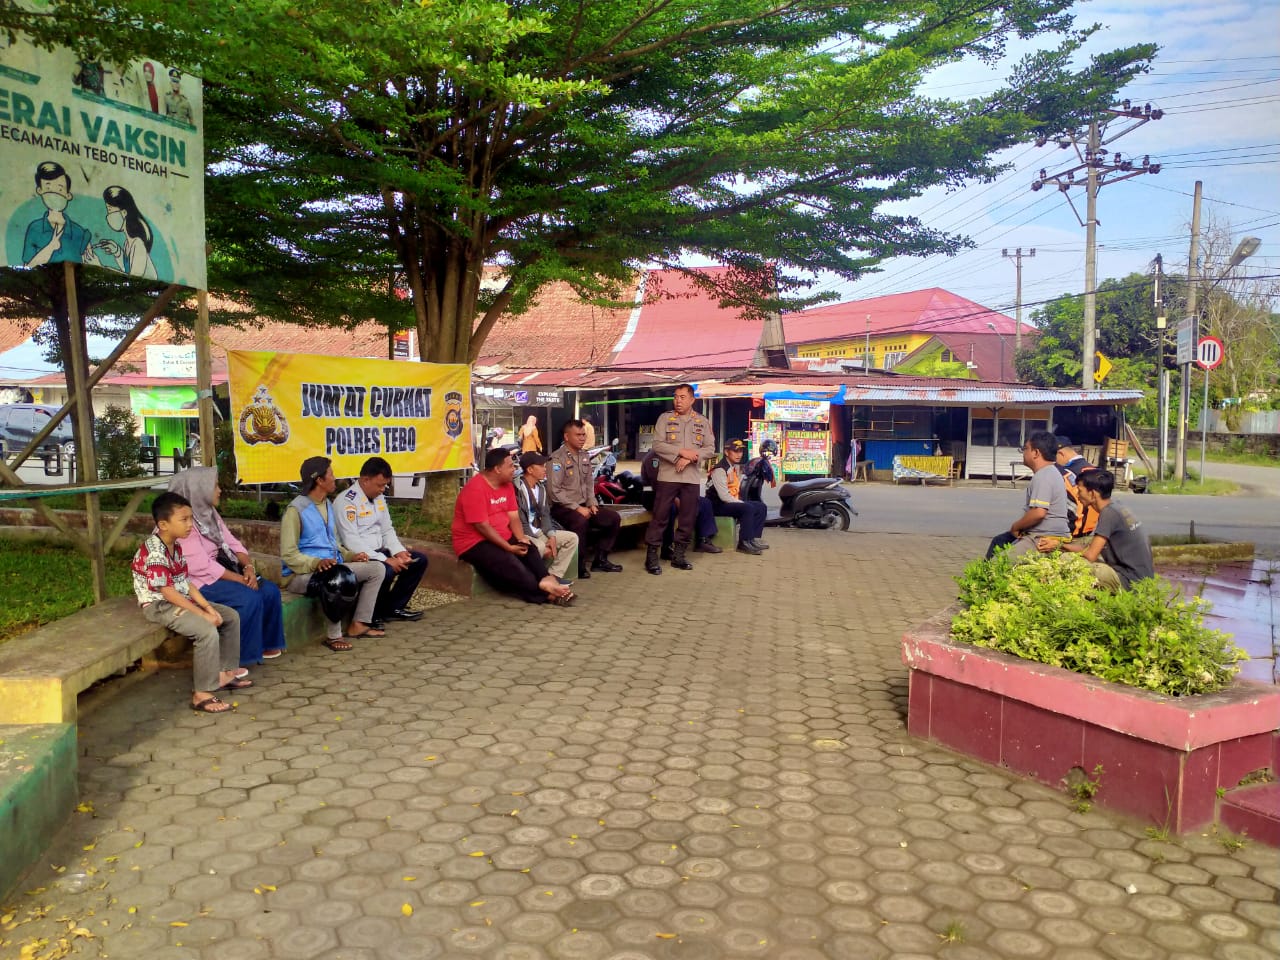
(365, 155)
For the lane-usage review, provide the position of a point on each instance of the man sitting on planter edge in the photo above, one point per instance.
(1046, 509)
(1119, 552)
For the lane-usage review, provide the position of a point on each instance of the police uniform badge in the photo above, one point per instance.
(453, 414)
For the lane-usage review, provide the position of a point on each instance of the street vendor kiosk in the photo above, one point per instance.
(802, 430)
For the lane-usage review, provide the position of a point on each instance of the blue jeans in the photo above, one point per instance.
(261, 615)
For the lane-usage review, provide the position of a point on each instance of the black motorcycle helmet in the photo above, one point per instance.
(769, 447)
(336, 589)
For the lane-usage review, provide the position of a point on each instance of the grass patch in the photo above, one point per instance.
(1194, 487)
(43, 580)
(1248, 459)
(410, 522)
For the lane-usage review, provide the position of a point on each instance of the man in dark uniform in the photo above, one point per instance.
(574, 505)
(681, 440)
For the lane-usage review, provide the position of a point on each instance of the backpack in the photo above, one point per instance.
(649, 469)
(1081, 520)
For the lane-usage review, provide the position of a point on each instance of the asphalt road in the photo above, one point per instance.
(978, 509)
(967, 510)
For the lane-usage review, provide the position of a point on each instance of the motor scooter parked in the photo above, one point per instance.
(817, 504)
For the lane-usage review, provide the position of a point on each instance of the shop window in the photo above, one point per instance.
(1011, 433)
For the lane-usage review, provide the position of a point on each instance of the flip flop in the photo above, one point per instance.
(271, 654)
(236, 685)
(371, 632)
(211, 705)
(565, 600)
(341, 645)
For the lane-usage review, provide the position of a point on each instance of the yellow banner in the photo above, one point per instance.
(286, 407)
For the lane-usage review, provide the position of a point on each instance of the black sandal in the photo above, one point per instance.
(340, 645)
(211, 705)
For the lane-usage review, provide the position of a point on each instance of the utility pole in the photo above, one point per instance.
(1099, 171)
(1162, 371)
(1016, 257)
(1193, 292)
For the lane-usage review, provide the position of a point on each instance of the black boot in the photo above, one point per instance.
(677, 557)
(604, 564)
(651, 562)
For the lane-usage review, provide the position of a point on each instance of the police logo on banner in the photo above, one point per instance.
(453, 425)
(262, 421)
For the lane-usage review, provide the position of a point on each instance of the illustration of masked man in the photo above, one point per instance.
(55, 237)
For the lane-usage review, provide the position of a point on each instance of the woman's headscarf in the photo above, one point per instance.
(197, 485)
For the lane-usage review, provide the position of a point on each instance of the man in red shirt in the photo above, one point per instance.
(487, 534)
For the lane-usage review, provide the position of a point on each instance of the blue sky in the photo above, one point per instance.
(1217, 79)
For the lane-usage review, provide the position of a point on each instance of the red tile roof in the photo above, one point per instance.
(14, 333)
(559, 330)
(681, 325)
(926, 311)
(986, 351)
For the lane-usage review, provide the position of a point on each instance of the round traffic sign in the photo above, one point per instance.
(1208, 353)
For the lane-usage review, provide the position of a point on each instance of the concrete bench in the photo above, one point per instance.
(44, 671)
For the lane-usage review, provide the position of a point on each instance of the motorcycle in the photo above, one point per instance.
(632, 487)
(606, 486)
(817, 504)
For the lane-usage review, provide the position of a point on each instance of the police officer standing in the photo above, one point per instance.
(681, 440)
(364, 524)
(573, 501)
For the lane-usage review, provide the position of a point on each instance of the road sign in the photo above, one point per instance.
(1186, 340)
(1104, 367)
(1208, 353)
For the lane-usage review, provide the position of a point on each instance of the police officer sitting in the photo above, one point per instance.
(573, 501)
(365, 524)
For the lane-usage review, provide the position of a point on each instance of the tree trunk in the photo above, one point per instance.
(440, 494)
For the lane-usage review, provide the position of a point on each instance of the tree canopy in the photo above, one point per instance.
(1236, 311)
(365, 159)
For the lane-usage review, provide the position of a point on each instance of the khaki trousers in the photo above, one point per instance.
(566, 543)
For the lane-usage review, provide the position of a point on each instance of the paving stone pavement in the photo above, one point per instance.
(702, 766)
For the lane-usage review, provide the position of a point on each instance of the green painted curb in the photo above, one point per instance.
(37, 794)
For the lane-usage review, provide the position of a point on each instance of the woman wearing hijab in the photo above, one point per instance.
(530, 439)
(221, 569)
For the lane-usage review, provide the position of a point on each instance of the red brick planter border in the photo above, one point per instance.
(1163, 758)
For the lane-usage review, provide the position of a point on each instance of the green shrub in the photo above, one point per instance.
(119, 449)
(1046, 608)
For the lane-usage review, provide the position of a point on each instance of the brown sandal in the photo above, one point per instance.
(339, 645)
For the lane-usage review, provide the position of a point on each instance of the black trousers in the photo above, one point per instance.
(508, 572)
(600, 529)
(664, 493)
(750, 515)
(397, 588)
(704, 529)
(998, 541)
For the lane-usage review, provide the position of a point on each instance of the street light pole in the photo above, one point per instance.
(1016, 257)
(1245, 249)
(1193, 291)
(1090, 260)
(1001, 336)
